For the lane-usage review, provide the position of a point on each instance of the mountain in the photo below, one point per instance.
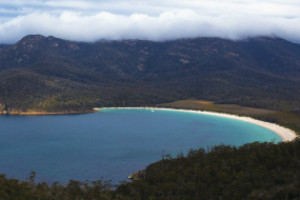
(53, 75)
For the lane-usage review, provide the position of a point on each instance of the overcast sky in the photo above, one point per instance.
(91, 20)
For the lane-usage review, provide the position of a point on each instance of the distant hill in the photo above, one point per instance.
(49, 74)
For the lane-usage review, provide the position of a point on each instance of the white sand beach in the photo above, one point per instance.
(285, 133)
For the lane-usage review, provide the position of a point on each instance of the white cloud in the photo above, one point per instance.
(152, 20)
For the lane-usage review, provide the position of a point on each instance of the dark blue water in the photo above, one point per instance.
(112, 143)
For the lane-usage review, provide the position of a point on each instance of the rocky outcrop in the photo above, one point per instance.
(3, 109)
(138, 175)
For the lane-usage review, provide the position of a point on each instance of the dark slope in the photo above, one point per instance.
(252, 171)
(50, 74)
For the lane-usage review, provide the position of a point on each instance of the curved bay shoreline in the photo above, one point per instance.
(286, 134)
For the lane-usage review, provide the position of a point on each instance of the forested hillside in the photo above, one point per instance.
(49, 74)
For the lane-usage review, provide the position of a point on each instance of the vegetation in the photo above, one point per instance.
(28, 190)
(252, 171)
(49, 74)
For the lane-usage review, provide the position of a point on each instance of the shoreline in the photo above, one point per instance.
(286, 134)
(46, 113)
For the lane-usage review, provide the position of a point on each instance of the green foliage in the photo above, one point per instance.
(252, 171)
(22, 190)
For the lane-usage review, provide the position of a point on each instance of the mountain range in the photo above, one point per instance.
(48, 74)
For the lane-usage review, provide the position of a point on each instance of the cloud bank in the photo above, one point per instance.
(151, 20)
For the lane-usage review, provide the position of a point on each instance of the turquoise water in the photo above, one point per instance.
(112, 143)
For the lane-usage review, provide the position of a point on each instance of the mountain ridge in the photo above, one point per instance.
(50, 74)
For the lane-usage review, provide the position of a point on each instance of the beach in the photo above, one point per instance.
(286, 134)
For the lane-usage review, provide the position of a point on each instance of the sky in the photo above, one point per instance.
(157, 20)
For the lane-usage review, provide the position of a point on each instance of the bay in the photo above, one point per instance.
(112, 143)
